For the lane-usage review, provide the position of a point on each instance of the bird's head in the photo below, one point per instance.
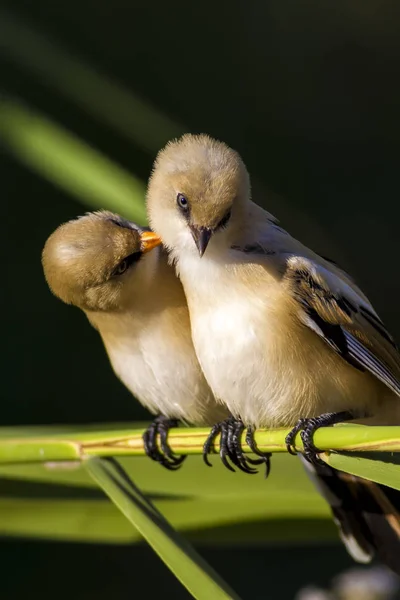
(97, 261)
(198, 191)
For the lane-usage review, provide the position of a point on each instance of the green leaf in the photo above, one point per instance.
(94, 91)
(213, 505)
(209, 504)
(191, 570)
(70, 163)
(98, 521)
(376, 466)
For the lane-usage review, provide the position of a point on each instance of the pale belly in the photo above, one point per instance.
(233, 357)
(270, 371)
(163, 380)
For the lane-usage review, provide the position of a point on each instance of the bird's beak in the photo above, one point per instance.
(201, 236)
(149, 240)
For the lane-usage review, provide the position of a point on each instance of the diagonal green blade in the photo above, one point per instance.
(381, 467)
(70, 163)
(191, 570)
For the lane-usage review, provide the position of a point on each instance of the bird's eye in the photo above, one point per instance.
(122, 267)
(125, 264)
(224, 221)
(182, 202)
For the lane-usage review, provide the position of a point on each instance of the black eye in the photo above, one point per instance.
(182, 202)
(122, 267)
(126, 263)
(224, 221)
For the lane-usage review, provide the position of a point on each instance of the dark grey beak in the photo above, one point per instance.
(201, 236)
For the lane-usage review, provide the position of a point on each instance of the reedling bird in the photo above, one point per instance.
(285, 338)
(112, 270)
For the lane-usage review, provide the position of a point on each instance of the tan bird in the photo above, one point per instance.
(281, 333)
(101, 263)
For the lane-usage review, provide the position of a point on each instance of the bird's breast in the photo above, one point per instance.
(259, 359)
(157, 363)
(234, 335)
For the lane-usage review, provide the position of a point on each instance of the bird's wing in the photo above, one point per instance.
(331, 305)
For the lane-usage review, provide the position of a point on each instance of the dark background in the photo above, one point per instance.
(307, 92)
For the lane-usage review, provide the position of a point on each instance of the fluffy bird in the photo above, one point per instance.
(285, 338)
(102, 264)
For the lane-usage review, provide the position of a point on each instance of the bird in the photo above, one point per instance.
(284, 337)
(118, 274)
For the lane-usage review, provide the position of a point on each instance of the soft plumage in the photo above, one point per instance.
(281, 333)
(100, 263)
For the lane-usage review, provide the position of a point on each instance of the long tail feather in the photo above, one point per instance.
(366, 513)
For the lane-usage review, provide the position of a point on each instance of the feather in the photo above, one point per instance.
(331, 305)
(366, 513)
(352, 529)
(275, 326)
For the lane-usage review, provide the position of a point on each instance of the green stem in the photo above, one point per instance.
(70, 446)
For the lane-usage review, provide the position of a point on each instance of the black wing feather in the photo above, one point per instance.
(333, 316)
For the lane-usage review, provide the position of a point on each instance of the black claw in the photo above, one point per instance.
(236, 453)
(308, 427)
(163, 430)
(209, 443)
(227, 444)
(289, 440)
(148, 448)
(161, 426)
(231, 430)
(265, 457)
(224, 451)
(310, 450)
(223, 428)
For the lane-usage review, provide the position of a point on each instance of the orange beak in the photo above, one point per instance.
(149, 240)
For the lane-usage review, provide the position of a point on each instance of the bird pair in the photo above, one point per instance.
(277, 336)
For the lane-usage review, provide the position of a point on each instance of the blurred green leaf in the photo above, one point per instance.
(70, 163)
(381, 467)
(98, 521)
(198, 497)
(94, 91)
(191, 570)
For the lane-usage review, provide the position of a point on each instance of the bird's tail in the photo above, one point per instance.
(366, 513)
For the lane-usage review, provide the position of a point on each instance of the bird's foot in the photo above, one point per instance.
(308, 427)
(161, 426)
(231, 430)
(225, 429)
(265, 457)
(235, 448)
